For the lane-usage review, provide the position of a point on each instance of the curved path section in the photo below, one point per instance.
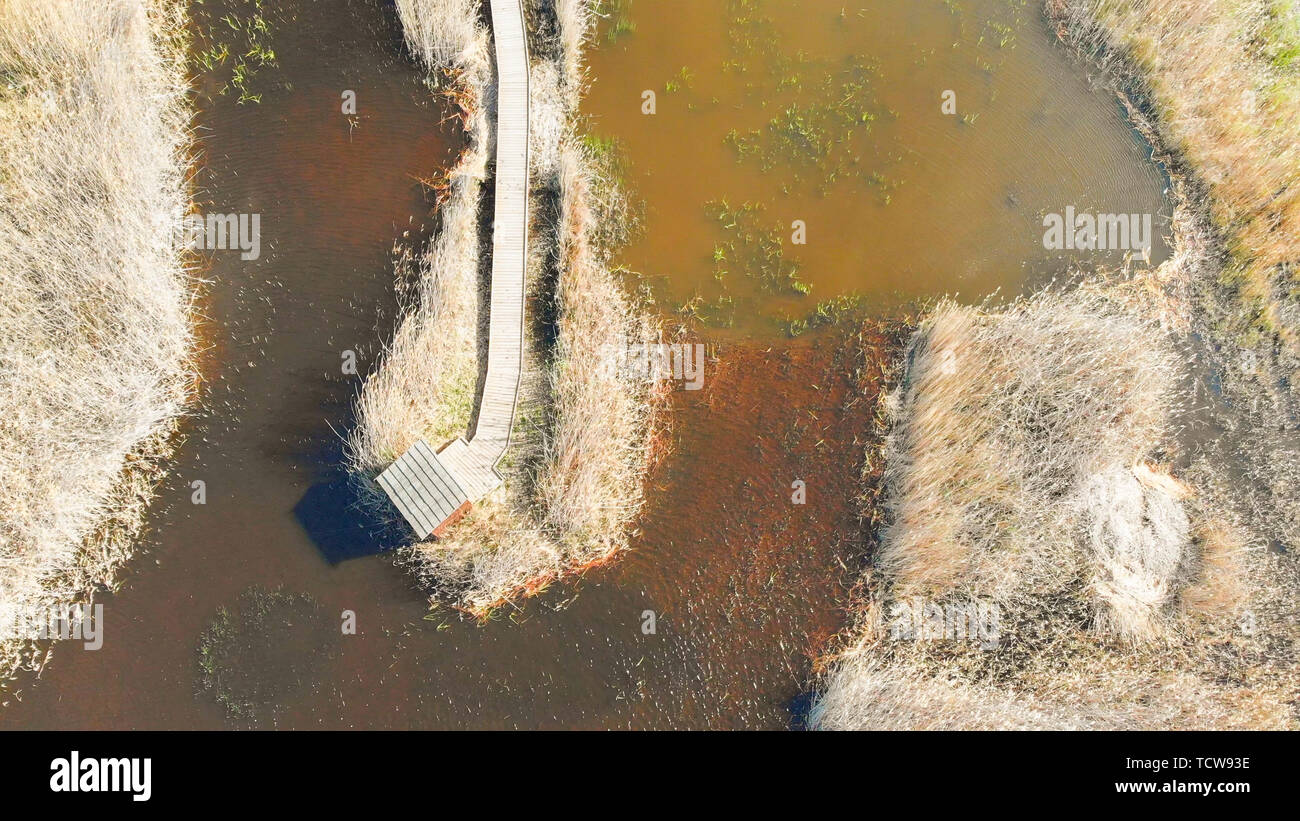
(431, 489)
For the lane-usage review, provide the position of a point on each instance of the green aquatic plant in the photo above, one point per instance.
(238, 41)
(261, 649)
(682, 79)
(825, 109)
(828, 312)
(618, 16)
(602, 151)
(752, 249)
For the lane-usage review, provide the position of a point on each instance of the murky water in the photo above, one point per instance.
(745, 586)
(837, 119)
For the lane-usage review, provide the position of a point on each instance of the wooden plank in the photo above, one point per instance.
(497, 406)
(432, 489)
(424, 491)
(402, 499)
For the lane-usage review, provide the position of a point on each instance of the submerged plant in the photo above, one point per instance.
(752, 250)
(827, 313)
(681, 80)
(618, 14)
(261, 649)
(825, 110)
(237, 41)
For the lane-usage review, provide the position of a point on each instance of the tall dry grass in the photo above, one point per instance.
(448, 35)
(578, 484)
(866, 694)
(1224, 80)
(581, 445)
(589, 484)
(1019, 428)
(1021, 459)
(574, 21)
(95, 301)
(870, 690)
(1020, 471)
(1215, 87)
(423, 387)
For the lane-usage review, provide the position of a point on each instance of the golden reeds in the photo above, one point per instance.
(95, 301)
(1020, 472)
(580, 449)
(1224, 79)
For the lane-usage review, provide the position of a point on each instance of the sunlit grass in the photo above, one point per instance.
(95, 302)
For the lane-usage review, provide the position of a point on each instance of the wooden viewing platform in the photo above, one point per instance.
(412, 482)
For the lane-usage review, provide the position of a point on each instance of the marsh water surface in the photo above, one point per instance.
(900, 201)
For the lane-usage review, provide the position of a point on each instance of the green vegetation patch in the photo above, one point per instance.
(235, 44)
(617, 17)
(828, 312)
(825, 108)
(752, 249)
(262, 649)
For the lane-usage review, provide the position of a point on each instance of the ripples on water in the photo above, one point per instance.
(745, 586)
(924, 203)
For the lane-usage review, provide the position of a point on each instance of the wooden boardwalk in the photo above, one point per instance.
(472, 464)
(423, 489)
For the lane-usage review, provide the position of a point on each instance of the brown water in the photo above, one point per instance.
(922, 202)
(746, 587)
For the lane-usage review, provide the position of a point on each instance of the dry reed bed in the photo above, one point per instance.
(1013, 429)
(582, 441)
(95, 300)
(1223, 79)
(1225, 128)
(1022, 469)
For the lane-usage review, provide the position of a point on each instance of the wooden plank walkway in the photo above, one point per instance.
(496, 413)
(472, 464)
(423, 489)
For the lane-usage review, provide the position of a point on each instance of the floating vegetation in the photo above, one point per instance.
(618, 18)
(828, 312)
(752, 250)
(237, 41)
(748, 249)
(1001, 33)
(681, 80)
(262, 649)
(825, 109)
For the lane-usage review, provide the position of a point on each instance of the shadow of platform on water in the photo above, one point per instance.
(801, 709)
(340, 528)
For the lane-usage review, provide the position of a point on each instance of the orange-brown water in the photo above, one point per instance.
(745, 585)
(922, 203)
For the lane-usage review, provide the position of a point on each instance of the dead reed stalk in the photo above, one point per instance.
(95, 300)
